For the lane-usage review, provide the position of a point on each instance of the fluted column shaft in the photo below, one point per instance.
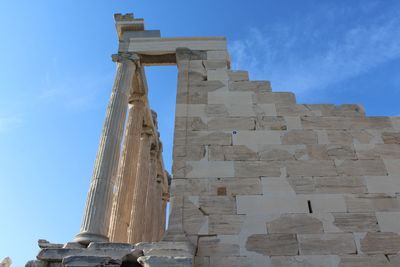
(127, 172)
(136, 227)
(163, 218)
(98, 204)
(157, 210)
(150, 207)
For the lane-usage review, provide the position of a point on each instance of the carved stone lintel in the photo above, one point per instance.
(120, 57)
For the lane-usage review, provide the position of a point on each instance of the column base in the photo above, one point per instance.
(85, 238)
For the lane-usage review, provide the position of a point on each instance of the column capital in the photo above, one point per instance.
(123, 56)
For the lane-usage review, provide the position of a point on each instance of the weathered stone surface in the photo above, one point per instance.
(239, 153)
(58, 254)
(327, 203)
(202, 138)
(108, 245)
(364, 261)
(201, 261)
(190, 152)
(356, 222)
(361, 167)
(371, 202)
(394, 260)
(348, 110)
(326, 244)
(305, 261)
(85, 261)
(295, 224)
(345, 123)
(383, 184)
(213, 64)
(236, 186)
(276, 185)
(229, 98)
(275, 154)
(286, 98)
(204, 169)
(273, 244)
(239, 75)
(243, 123)
(296, 137)
(217, 205)
(391, 137)
(32, 263)
(225, 224)
(166, 261)
(376, 151)
(190, 123)
(256, 169)
(389, 221)
(242, 261)
(194, 221)
(42, 243)
(217, 110)
(337, 185)
(311, 168)
(254, 86)
(380, 243)
(294, 110)
(271, 204)
(271, 123)
(215, 246)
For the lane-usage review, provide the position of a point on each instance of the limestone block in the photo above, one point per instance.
(190, 123)
(217, 75)
(391, 137)
(356, 222)
(213, 64)
(348, 110)
(239, 153)
(255, 138)
(380, 243)
(279, 204)
(364, 261)
(286, 98)
(276, 185)
(271, 123)
(337, 185)
(202, 138)
(250, 261)
(321, 109)
(195, 95)
(264, 109)
(229, 98)
(201, 261)
(236, 186)
(383, 184)
(240, 123)
(293, 123)
(191, 110)
(253, 86)
(242, 110)
(296, 137)
(294, 110)
(194, 221)
(217, 205)
(271, 153)
(190, 152)
(389, 221)
(302, 185)
(194, 187)
(392, 166)
(311, 168)
(374, 167)
(373, 151)
(326, 244)
(85, 261)
(345, 123)
(57, 254)
(370, 203)
(217, 246)
(322, 137)
(239, 75)
(295, 224)
(305, 261)
(394, 260)
(327, 203)
(256, 169)
(217, 110)
(225, 224)
(215, 153)
(273, 244)
(204, 169)
(165, 261)
(218, 54)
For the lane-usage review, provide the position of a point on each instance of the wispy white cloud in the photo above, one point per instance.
(306, 57)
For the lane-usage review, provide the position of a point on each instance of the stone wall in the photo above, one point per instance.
(259, 180)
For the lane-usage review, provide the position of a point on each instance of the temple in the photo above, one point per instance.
(257, 179)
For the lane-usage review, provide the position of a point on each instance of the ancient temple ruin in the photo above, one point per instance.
(257, 179)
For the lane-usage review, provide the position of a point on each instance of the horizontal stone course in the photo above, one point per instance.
(273, 244)
(380, 243)
(326, 244)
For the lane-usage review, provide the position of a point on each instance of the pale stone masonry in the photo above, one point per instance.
(258, 179)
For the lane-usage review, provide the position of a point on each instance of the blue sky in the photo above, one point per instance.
(56, 76)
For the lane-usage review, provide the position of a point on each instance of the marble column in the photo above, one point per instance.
(127, 171)
(157, 213)
(98, 204)
(165, 198)
(150, 206)
(137, 220)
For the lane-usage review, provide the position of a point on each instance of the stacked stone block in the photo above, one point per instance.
(260, 180)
